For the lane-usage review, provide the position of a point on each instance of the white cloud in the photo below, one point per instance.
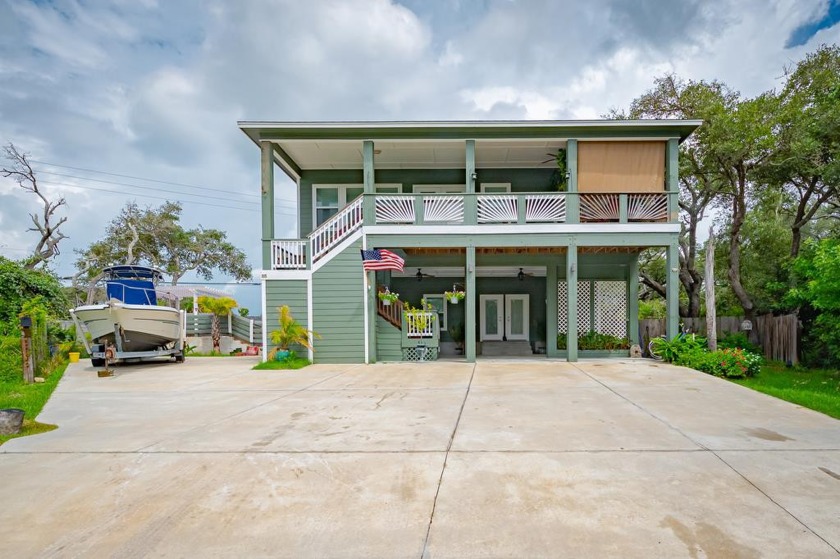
(154, 89)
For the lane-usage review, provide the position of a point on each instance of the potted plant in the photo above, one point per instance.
(454, 296)
(387, 297)
(290, 332)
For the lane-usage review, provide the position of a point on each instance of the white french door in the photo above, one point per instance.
(503, 317)
(516, 317)
(492, 317)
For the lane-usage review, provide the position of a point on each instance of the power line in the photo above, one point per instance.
(131, 177)
(147, 187)
(187, 202)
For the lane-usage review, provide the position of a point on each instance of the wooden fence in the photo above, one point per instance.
(778, 336)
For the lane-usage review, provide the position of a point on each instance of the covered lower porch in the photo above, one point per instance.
(517, 301)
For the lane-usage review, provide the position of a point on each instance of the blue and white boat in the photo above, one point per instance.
(131, 324)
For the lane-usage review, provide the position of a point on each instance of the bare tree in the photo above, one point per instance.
(22, 172)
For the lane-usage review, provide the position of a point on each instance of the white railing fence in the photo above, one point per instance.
(420, 324)
(289, 254)
(336, 228)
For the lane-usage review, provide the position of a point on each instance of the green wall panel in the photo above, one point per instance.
(285, 292)
(388, 341)
(338, 308)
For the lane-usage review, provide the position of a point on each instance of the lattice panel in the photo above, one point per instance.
(598, 207)
(647, 207)
(545, 208)
(394, 209)
(443, 209)
(414, 354)
(496, 209)
(584, 307)
(611, 308)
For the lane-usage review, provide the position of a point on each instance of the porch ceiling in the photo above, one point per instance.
(440, 144)
(437, 154)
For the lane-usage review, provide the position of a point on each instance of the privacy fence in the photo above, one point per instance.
(245, 329)
(778, 336)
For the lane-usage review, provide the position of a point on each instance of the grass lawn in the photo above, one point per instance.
(816, 389)
(295, 363)
(31, 399)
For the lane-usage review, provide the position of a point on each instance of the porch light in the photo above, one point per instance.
(521, 275)
(419, 275)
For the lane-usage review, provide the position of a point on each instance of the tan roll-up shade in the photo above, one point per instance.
(621, 166)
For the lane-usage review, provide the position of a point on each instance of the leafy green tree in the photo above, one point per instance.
(806, 163)
(218, 306)
(19, 284)
(155, 237)
(672, 97)
(817, 270)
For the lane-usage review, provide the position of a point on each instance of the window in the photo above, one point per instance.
(438, 188)
(329, 198)
(438, 303)
(494, 187)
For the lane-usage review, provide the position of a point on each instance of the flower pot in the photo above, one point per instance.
(453, 300)
(74, 356)
(10, 421)
(386, 302)
(281, 354)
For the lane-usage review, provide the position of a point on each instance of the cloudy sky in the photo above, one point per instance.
(138, 99)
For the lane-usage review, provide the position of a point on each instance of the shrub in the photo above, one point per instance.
(738, 340)
(671, 350)
(734, 363)
(595, 341)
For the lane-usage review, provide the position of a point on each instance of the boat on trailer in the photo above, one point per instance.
(131, 324)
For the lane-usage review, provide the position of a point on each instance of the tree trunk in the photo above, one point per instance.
(711, 312)
(739, 210)
(216, 334)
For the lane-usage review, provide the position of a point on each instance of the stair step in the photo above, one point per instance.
(506, 349)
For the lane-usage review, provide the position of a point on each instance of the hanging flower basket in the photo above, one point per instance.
(454, 296)
(387, 297)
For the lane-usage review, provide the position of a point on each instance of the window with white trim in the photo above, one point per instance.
(329, 198)
(438, 303)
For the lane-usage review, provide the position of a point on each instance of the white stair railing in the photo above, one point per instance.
(336, 228)
(288, 254)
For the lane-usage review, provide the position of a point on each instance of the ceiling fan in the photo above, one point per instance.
(522, 275)
(420, 275)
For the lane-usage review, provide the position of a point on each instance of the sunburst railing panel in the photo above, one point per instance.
(443, 209)
(599, 207)
(395, 209)
(647, 207)
(496, 209)
(545, 208)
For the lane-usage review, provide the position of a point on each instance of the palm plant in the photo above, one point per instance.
(220, 306)
(291, 331)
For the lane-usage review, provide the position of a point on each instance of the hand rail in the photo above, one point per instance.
(288, 254)
(336, 228)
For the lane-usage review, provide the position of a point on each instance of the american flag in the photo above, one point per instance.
(381, 259)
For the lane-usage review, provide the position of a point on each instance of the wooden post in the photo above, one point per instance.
(26, 349)
(711, 331)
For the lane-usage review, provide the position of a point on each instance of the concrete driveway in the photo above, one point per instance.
(445, 459)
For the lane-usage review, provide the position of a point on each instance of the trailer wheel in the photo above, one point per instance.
(179, 357)
(97, 361)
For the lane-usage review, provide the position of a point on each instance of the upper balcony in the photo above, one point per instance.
(458, 210)
(558, 176)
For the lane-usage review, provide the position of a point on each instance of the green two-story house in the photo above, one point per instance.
(539, 224)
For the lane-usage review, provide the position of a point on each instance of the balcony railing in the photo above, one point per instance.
(472, 209)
